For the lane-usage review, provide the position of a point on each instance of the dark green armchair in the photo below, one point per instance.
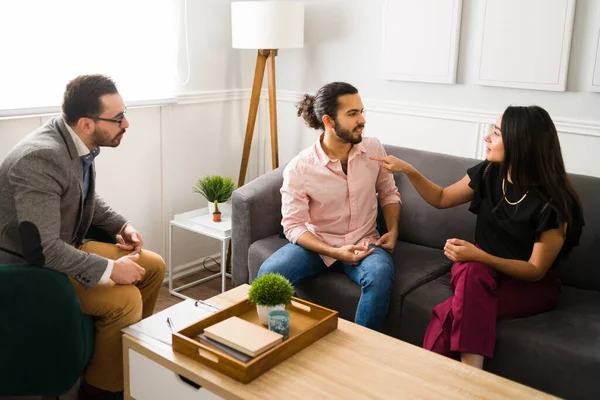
(45, 339)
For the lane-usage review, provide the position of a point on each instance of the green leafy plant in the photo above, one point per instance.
(271, 290)
(215, 187)
(216, 208)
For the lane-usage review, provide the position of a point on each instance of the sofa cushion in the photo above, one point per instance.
(581, 268)
(260, 250)
(557, 352)
(414, 265)
(417, 307)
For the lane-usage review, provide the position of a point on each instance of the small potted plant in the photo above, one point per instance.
(216, 213)
(216, 189)
(270, 292)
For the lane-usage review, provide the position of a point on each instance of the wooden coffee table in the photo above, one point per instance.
(351, 362)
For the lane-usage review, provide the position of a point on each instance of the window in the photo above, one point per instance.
(47, 43)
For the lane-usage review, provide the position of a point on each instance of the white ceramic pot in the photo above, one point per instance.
(263, 312)
(211, 208)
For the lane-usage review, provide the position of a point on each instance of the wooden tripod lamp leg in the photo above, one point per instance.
(273, 108)
(259, 73)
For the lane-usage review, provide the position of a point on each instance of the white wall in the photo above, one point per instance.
(344, 42)
(149, 177)
(200, 139)
(214, 65)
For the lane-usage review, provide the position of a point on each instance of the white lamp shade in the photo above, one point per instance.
(267, 24)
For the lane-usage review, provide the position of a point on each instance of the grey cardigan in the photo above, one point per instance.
(42, 209)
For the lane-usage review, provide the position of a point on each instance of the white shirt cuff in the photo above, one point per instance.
(121, 230)
(106, 275)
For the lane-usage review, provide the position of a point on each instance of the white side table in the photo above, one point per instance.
(200, 221)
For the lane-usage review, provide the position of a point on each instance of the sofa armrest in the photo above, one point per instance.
(256, 215)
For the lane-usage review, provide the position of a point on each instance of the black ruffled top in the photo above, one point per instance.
(510, 231)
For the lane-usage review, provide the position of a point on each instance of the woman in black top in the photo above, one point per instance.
(528, 219)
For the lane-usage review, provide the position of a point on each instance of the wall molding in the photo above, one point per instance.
(34, 112)
(193, 267)
(213, 96)
(482, 130)
(563, 125)
(207, 96)
(571, 126)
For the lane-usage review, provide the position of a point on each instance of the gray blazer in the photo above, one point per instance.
(42, 208)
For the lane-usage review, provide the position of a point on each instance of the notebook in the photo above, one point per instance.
(243, 336)
(181, 315)
(232, 352)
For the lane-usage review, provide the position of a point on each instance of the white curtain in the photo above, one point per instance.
(44, 44)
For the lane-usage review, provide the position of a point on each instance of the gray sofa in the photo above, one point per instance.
(557, 352)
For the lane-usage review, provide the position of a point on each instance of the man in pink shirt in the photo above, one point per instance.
(329, 204)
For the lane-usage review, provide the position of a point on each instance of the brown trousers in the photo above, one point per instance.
(116, 307)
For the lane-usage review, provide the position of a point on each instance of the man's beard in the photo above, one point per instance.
(103, 139)
(346, 134)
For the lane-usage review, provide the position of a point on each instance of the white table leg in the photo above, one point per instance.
(223, 264)
(170, 258)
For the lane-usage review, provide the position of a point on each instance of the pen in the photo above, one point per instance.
(171, 325)
(206, 304)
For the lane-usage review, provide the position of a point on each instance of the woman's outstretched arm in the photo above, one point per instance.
(451, 196)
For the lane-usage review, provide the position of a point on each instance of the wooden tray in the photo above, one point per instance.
(308, 323)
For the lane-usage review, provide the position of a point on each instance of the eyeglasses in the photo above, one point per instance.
(117, 121)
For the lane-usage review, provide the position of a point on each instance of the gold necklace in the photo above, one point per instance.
(504, 193)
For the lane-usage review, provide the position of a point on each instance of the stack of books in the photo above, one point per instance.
(240, 338)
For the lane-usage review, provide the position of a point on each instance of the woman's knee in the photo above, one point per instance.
(474, 271)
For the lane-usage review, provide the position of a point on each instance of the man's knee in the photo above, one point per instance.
(378, 281)
(268, 267)
(378, 270)
(294, 262)
(152, 263)
(276, 261)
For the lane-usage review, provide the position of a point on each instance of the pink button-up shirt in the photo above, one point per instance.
(337, 208)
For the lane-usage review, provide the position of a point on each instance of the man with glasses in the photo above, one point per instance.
(47, 204)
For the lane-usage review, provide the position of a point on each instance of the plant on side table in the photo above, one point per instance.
(215, 188)
(270, 292)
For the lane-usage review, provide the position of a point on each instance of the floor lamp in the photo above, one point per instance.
(267, 26)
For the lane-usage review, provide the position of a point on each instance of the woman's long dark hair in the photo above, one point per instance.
(534, 159)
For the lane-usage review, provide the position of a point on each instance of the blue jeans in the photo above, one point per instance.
(374, 274)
